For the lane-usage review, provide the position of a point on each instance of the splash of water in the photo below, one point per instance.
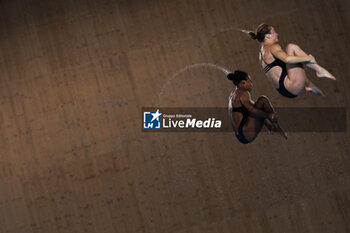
(166, 85)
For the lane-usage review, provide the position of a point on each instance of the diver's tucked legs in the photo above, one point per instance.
(264, 104)
(297, 79)
(293, 49)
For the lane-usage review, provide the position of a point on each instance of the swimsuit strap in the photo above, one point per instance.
(276, 62)
(238, 109)
(268, 66)
(262, 58)
(242, 109)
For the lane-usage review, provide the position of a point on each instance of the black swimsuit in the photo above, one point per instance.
(245, 114)
(277, 62)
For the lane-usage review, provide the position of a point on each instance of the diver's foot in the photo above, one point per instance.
(314, 89)
(323, 73)
(277, 130)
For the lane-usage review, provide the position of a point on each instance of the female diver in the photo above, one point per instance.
(247, 116)
(285, 69)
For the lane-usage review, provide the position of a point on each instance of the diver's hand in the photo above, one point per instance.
(273, 117)
(312, 59)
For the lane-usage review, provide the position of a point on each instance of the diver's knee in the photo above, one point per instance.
(263, 98)
(291, 47)
(261, 101)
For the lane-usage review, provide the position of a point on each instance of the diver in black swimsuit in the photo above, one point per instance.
(277, 62)
(289, 77)
(247, 116)
(245, 113)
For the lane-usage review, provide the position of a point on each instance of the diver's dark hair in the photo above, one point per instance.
(260, 33)
(237, 76)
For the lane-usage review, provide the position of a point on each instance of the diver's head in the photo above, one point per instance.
(241, 79)
(265, 33)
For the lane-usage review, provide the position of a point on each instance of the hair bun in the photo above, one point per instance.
(237, 76)
(230, 76)
(252, 35)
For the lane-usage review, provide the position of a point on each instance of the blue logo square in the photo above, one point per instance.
(151, 120)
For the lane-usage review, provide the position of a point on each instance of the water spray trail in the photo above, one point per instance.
(165, 86)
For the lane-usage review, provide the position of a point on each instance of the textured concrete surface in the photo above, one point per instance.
(74, 76)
